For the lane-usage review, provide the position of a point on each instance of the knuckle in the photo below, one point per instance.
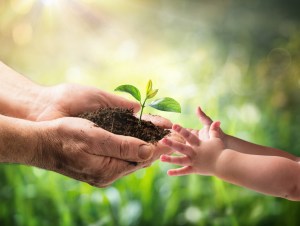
(189, 136)
(189, 158)
(98, 184)
(124, 149)
(147, 164)
(185, 133)
(102, 185)
(98, 180)
(180, 147)
(92, 184)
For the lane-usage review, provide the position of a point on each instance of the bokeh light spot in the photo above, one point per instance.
(22, 33)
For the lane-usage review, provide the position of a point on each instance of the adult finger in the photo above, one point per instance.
(181, 171)
(112, 100)
(181, 160)
(187, 135)
(158, 121)
(182, 148)
(114, 170)
(175, 136)
(204, 119)
(160, 149)
(121, 147)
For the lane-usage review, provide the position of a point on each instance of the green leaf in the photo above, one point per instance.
(149, 87)
(152, 94)
(131, 90)
(166, 104)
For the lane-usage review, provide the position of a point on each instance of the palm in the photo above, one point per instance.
(202, 134)
(71, 100)
(100, 158)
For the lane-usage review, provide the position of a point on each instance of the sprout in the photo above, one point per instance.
(162, 104)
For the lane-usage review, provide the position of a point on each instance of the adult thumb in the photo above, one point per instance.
(214, 130)
(129, 149)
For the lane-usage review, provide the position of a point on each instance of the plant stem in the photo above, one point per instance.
(143, 106)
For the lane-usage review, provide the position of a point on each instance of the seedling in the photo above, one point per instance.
(162, 104)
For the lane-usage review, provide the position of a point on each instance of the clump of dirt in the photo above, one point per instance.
(123, 122)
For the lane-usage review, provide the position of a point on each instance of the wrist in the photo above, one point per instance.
(19, 140)
(37, 100)
(23, 103)
(214, 162)
(31, 99)
(213, 150)
(19, 96)
(226, 140)
(225, 159)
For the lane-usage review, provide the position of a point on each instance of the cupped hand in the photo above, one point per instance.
(76, 148)
(66, 100)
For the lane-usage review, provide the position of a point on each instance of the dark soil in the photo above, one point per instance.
(122, 122)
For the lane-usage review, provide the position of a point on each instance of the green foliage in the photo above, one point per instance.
(131, 90)
(162, 104)
(244, 72)
(166, 104)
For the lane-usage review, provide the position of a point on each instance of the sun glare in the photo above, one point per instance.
(49, 3)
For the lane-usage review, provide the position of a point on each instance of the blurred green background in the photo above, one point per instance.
(239, 60)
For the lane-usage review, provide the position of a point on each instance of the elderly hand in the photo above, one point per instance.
(74, 147)
(66, 100)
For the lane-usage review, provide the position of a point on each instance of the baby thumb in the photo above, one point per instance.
(214, 130)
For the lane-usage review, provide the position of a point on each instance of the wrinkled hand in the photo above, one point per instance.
(76, 148)
(68, 100)
(71, 100)
(82, 151)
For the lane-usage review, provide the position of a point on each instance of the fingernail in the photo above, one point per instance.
(176, 127)
(166, 141)
(145, 151)
(199, 110)
(163, 158)
(217, 124)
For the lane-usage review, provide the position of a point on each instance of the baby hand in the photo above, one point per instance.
(206, 121)
(198, 156)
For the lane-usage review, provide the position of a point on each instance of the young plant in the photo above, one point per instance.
(162, 104)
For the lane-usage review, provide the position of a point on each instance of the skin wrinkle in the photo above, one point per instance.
(53, 140)
(38, 157)
(66, 154)
(8, 145)
(78, 158)
(106, 145)
(104, 100)
(123, 149)
(49, 152)
(15, 143)
(80, 171)
(55, 159)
